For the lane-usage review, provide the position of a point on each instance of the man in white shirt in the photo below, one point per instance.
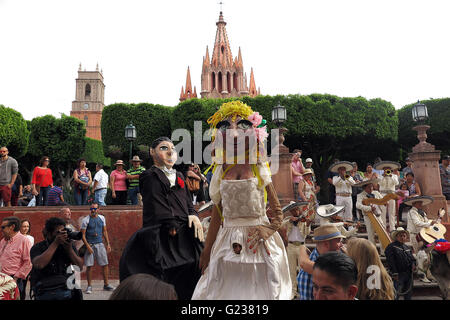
(100, 185)
(343, 183)
(387, 184)
(368, 192)
(297, 229)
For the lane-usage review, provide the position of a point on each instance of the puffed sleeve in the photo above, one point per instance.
(214, 186)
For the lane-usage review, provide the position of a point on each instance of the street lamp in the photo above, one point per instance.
(419, 112)
(130, 135)
(279, 115)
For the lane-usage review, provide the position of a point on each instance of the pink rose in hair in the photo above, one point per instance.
(255, 118)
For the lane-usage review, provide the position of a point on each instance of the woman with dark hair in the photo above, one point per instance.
(143, 286)
(25, 228)
(169, 244)
(413, 191)
(42, 181)
(82, 180)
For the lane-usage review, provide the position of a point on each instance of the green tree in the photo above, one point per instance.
(14, 132)
(63, 140)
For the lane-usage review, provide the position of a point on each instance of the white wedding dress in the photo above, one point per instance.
(248, 275)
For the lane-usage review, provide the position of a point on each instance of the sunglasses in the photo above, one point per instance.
(94, 209)
(3, 227)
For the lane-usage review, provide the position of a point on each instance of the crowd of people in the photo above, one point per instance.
(252, 249)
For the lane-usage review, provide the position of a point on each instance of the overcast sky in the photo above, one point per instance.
(398, 50)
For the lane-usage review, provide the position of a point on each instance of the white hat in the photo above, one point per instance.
(308, 160)
(328, 210)
(346, 164)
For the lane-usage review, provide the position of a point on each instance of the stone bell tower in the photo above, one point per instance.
(89, 101)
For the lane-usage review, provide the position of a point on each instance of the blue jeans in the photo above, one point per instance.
(99, 196)
(132, 195)
(42, 197)
(80, 197)
(58, 294)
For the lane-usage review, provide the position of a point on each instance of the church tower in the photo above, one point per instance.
(222, 76)
(89, 101)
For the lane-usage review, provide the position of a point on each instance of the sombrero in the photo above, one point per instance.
(424, 199)
(326, 232)
(328, 210)
(362, 184)
(397, 231)
(293, 205)
(391, 164)
(307, 171)
(346, 164)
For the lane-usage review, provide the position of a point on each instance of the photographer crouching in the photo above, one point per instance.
(52, 260)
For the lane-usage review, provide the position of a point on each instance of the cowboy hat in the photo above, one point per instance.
(136, 159)
(362, 184)
(424, 199)
(307, 171)
(397, 231)
(119, 162)
(293, 205)
(328, 210)
(326, 232)
(390, 164)
(335, 166)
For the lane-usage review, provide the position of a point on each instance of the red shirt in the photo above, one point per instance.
(42, 177)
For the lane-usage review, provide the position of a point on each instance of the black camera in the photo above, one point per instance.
(72, 235)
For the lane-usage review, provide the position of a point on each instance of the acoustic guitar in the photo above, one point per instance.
(434, 232)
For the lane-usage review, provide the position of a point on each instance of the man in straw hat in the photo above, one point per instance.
(388, 182)
(328, 214)
(133, 179)
(367, 193)
(417, 219)
(401, 263)
(343, 183)
(327, 239)
(295, 230)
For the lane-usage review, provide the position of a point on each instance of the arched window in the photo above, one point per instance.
(228, 82)
(213, 81)
(87, 90)
(235, 81)
(219, 82)
(86, 120)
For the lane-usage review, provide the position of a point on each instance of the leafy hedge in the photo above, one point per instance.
(93, 152)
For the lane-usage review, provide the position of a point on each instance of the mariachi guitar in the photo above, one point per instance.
(434, 232)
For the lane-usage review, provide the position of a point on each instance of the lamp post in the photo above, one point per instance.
(426, 163)
(420, 115)
(280, 159)
(130, 135)
(279, 116)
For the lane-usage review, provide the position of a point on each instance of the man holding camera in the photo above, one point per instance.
(52, 261)
(93, 229)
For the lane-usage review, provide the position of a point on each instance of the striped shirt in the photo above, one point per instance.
(304, 279)
(135, 182)
(54, 196)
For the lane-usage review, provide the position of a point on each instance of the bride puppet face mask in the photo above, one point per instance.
(238, 133)
(163, 152)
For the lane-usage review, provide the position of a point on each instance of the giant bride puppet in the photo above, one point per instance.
(244, 256)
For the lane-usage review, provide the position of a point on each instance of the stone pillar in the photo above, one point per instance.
(282, 179)
(426, 172)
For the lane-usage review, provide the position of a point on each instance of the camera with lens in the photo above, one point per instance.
(72, 235)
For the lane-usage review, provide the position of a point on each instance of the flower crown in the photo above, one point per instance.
(238, 108)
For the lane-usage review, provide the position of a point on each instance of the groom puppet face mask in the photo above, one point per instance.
(164, 153)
